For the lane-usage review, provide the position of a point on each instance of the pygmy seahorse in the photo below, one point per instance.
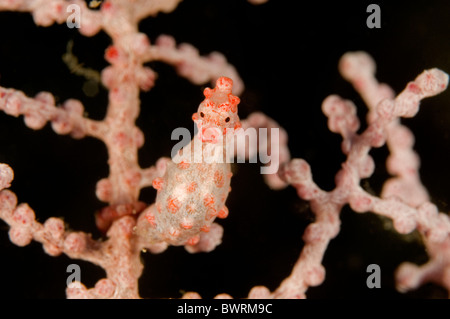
(193, 190)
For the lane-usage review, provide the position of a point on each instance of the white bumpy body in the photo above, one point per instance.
(196, 184)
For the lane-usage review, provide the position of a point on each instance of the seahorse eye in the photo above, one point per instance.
(202, 114)
(227, 119)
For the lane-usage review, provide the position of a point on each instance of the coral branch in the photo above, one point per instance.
(308, 270)
(151, 8)
(383, 126)
(47, 12)
(276, 146)
(67, 119)
(191, 65)
(119, 255)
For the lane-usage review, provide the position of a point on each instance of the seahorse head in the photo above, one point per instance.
(218, 112)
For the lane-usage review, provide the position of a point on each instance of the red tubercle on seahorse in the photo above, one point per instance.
(208, 200)
(173, 204)
(218, 179)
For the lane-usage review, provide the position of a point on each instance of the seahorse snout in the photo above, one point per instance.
(211, 134)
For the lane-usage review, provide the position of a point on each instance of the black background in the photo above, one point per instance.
(287, 54)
